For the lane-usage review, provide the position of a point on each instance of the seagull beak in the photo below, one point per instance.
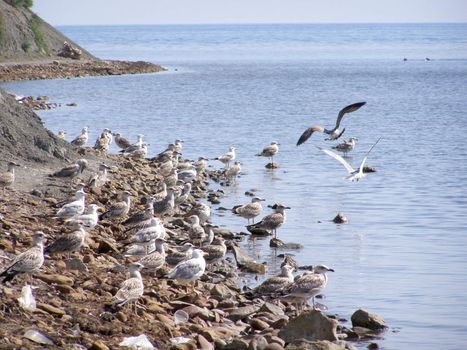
(287, 208)
(205, 254)
(331, 270)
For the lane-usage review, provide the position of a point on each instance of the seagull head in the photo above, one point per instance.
(322, 269)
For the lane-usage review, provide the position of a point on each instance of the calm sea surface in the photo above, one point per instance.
(404, 253)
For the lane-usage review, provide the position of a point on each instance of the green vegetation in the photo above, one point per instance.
(21, 3)
(35, 26)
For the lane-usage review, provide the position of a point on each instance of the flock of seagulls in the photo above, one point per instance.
(146, 228)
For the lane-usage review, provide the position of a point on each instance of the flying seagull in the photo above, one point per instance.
(355, 175)
(334, 133)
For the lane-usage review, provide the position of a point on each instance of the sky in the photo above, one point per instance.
(105, 12)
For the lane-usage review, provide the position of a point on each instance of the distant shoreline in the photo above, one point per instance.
(62, 69)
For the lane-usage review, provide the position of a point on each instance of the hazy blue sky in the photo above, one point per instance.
(59, 12)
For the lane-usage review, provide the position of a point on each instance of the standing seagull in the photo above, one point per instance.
(131, 289)
(270, 151)
(250, 210)
(355, 175)
(227, 157)
(88, 220)
(27, 262)
(232, 172)
(82, 139)
(189, 270)
(334, 133)
(120, 209)
(276, 284)
(8, 178)
(308, 285)
(273, 221)
(73, 208)
(70, 242)
(121, 141)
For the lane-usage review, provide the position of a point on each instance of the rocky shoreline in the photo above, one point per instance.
(61, 69)
(74, 309)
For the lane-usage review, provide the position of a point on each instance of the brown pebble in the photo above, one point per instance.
(122, 316)
(258, 324)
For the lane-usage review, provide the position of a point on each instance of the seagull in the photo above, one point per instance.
(140, 220)
(88, 220)
(183, 197)
(200, 164)
(250, 210)
(8, 178)
(227, 157)
(137, 145)
(196, 231)
(276, 284)
(334, 133)
(156, 259)
(82, 139)
(183, 253)
(61, 134)
(100, 178)
(215, 251)
(232, 172)
(73, 208)
(270, 151)
(70, 242)
(121, 142)
(131, 289)
(273, 221)
(72, 171)
(166, 205)
(147, 235)
(346, 146)
(202, 211)
(355, 175)
(308, 285)
(120, 209)
(178, 145)
(104, 141)
(139, 153)
(188, 175)
(27, 262)
(189, 270)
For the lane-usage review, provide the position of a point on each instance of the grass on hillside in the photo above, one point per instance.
(35, 26)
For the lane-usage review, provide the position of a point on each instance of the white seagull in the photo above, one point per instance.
(355, 175)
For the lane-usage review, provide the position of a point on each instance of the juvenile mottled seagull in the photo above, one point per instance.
(118, 210)
(73, 208)
(155, 260)
(273, 221)
(227, 157)
(70, 242)
(8, 178)
(61, 134)
(232, 172)
(98, 179)
(270, 151)
(346, 146)
(166, 205)
(131, 289)
(216, 251)
(276, 284)
(137, 145)
(307, 285)
(82, 139)
(355, 175)
(72, 171)
(139, 153)
(27, 262)
(147, 235)
(196, 231)
(104, 140)
(178, 145)
(334, 133)
(180, 254)
(121, 141)
(250, 210)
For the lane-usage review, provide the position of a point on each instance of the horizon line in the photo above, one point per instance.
(250, 23)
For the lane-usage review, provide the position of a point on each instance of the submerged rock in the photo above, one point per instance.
(340, 219)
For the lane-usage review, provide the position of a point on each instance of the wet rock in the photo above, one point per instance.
(373, 346)
(369, 169)
(340, 219)
(277, 243)
(272, 166)
(247, 263)
(310, 325)
(303, 344)
(364, 318)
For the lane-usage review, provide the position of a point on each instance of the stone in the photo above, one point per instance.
(258, 343)
(364, 318)
(303, 344)
(55, 278)
(310, 325)
(274, 346)
(277, 243)
(221, 290)
(51, 309)
(98, 345)
(203, 343)
(272, 166)
(242, 312)
(340, 219)
(247, 263)
(237, 344)
(258, 324)
(271, 308)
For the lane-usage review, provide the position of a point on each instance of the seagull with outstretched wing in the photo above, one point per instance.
(334, 133)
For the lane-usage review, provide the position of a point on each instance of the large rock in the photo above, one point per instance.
(302, 344)
(247, 263)
(364, 318)
(310, 325)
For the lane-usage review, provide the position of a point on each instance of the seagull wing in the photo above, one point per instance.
(364, 159)
(338, 158)
(348, 109)
(308, 132)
